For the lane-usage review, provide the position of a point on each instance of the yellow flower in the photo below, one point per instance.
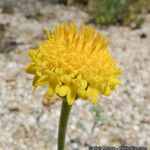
(74, 62)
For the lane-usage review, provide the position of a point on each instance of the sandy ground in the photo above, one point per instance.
(25, 124)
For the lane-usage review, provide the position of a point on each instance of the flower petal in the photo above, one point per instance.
(94, 95)
(62, 90)
(107, 91)
(50, 91)
(30, 68)
(71, 95)
(44, 80)
(82, 93)
(35, 79)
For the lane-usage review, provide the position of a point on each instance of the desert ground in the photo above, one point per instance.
(25, 124)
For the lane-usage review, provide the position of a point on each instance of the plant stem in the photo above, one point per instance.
(69, 2)
(64, 116)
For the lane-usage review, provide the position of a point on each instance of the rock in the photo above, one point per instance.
(19, 133)
(10, 79)
(19, 106)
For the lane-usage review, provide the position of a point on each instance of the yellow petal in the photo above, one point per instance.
(84, 84)
(71, 95)
(118, 72)
(54, 83)
(35, 79)
(114, 81)
(107, 91)
(38, 72)
(62, 90)
(82, 93)
(102, 88)
(48, 33)
(30, 68)
(44, 80)
(50, 91)
(94, 95)
(89, 92)
(32, 53)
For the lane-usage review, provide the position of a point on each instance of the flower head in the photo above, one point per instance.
(74, 62)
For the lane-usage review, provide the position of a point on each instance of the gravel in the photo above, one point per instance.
(25, 124)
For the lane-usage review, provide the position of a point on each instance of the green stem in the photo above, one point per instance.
(64, 116)
(69, 2)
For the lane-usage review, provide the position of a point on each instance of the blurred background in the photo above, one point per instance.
(122, 118)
